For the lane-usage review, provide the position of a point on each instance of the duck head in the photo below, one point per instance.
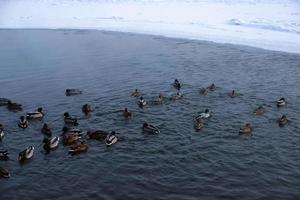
(145, 125)
(112, 133)
(65, 129)
(20, 158)
(45, 140)
(283, 117)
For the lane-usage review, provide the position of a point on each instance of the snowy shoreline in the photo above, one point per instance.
(271, 25)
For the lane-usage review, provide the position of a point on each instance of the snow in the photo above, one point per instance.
(268, 24)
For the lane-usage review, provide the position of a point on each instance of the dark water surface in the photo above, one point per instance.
(36, 66)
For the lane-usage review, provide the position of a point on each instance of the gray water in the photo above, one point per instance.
(36, 66)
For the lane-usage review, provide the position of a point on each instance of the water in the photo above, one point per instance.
(216, 163)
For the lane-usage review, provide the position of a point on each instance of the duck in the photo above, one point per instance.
(23, 123)
(176, 84)
(205, 114)
(159, 99)
(38, 114)
(177, 95)
(4, 155)
(281, 102)
(51, 144)
(259, 110)
(87, 108)
(142, 102)
(111, 139)
(70, 120)
(70, 136)
(150, 128)
(46, 130)
(136, 93)
(245, 129)
(78, 148)
(1, 132)
(14, 106)
(203, 91)
(67, 130)
(4, 101)
(4, 173)
(71, 92)
(198, 124)
(212, 87)
(126, 113)
(282, 120)
(97, 134)
(26, 154)
(232, 94)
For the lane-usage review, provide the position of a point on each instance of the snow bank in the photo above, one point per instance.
(268, 24)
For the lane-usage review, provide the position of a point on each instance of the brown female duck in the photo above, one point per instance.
(78, 148)
(246, 129)
(97, 135)
(282, 120)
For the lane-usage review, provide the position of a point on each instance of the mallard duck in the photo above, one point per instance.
(46, 130)
(150, 128)
(70, 139)
(36, 114)
(70, 120)
(14, 106)
(205, 114)
(70, 136)
(4, 173)
(142, 102)
(136, 93)
(177, 96)
(51, 143)
(26, 154)
(159, 99)
(67, 130)
(245, 129)
(281, 102)
(86, 108)
(4, 155)
(282, 120)
(176, 84)
(71, 92)
(203, 91)
(259, 110)
(111, 139)
(4, 101)
(212, 87)
(23, 123)
(126, 113)
(97, 135)
(78, 148)
(198, 124)
(1, 132)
